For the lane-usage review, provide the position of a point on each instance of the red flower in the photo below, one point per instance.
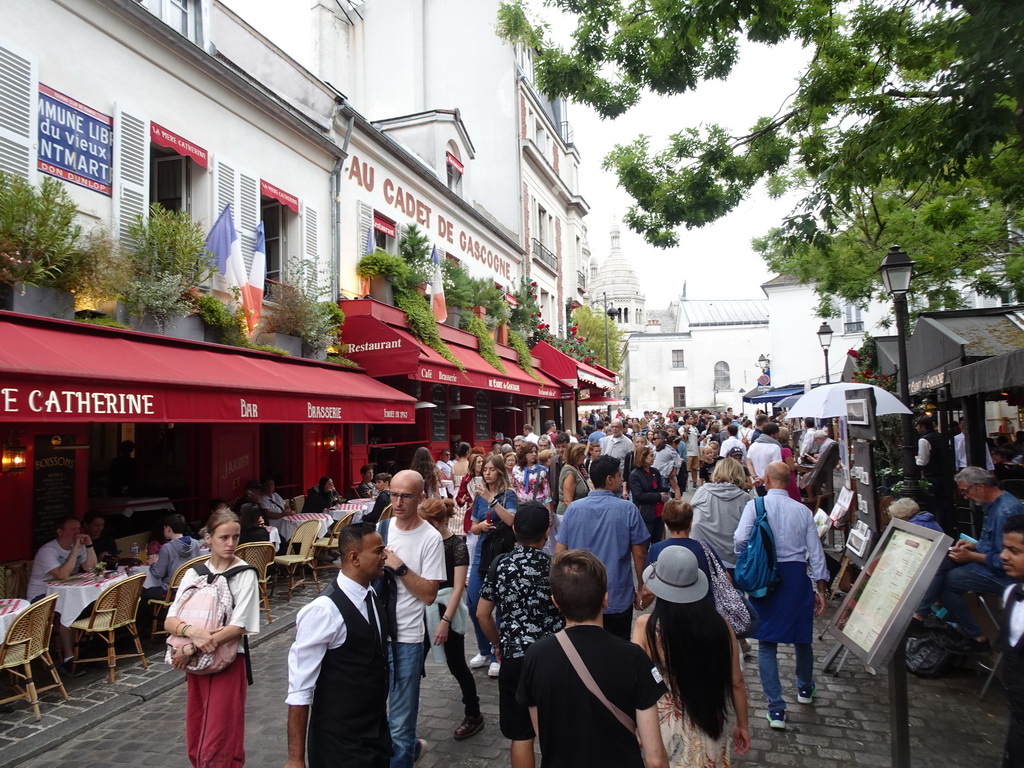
(533, 284)
(854, 354)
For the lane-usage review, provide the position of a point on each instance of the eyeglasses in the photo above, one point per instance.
(403, 496)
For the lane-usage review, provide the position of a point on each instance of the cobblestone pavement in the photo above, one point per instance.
(846, 725)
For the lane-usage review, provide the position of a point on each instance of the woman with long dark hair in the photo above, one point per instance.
(321, 496)
(694, 650)
(494, 506)
(423, 463)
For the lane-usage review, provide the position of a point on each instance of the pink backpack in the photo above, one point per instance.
(207, 604)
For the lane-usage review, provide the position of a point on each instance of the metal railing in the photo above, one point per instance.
(857, 327)
(567, 133)
(546, 257)
(581, 280)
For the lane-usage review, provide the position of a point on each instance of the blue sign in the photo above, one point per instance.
(76, 143)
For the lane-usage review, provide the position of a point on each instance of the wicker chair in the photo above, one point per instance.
(125, 544)
(159, 606)
(328, 542)
(302, 541)
(388, 511)
(259, 554)
(114, 608)
(28, 638)
(298, 503)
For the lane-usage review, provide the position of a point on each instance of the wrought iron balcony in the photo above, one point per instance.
(546, 257)
(857, 327)
(581, 280)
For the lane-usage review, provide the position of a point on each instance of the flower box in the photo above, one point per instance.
(37, 300)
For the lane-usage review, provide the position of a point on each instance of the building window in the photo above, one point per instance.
(852, 319)
(170, 180)
(183, 16)
(455, 169)
(678, 358)
(678, 397)
(385, 234)
(275, 237)
(722, 379)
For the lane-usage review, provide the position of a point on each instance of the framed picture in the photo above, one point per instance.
(857, 411)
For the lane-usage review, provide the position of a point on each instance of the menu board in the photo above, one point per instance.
(876, 613)
(438, 415)
(53, 485)
(482, 418)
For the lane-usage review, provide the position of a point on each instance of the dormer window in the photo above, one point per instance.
(455, 169)
(183, 16)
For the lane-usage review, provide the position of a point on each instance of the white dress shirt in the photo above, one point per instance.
(924, 452)
(728, 445)
(796, 538)
(319, 628)
(1014, 618)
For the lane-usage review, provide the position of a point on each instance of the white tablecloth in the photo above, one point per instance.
(9, 610)
(291, 522)
(74, 595)
(151, 581)
(360, 508)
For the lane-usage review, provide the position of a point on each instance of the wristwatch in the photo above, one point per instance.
(402, 570)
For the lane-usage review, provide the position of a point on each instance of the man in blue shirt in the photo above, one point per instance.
(972, 567)
(611, 528)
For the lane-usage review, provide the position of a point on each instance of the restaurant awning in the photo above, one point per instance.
(574, 373)
(992, 375)
(383, 349)
(52, 370)
(774, 395)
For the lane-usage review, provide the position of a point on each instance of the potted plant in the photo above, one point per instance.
(223, 325)
(168, 258)
(458, 291)
(415, 248)
(38, 243)
(99, 277)
(299, 321)
(383, 270)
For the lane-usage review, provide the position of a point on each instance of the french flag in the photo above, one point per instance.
(252, 291)
(226, 248)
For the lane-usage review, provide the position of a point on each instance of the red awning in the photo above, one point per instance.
(276, 193)
(52, 370)
(569, 370)
(165, 138)
(384, 350)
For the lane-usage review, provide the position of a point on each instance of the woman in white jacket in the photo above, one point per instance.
(717, 507)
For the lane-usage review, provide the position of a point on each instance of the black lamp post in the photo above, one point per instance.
(896, 271)
(825, 339)
(609, 312)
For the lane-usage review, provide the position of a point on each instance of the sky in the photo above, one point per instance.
(715, 261)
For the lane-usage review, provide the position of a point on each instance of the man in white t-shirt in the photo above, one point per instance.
(415, 554)
(733, 441)
(765, 450)
(444, 463)
(529, 435)
(70, 552)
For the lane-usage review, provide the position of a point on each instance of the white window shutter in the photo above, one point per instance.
(310, 246)
(225, 192)
(248, 215)
(131, 170)
(19, 107)
(363, 227)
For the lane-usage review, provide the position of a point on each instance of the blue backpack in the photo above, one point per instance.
(756, 571)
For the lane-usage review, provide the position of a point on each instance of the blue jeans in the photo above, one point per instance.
(476, 582)
(952, 581)
(404, 700)
(768, 667)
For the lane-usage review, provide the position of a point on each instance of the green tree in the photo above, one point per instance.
(926, 92)
(590, 325)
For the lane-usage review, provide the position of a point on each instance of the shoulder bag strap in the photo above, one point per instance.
(590, 683)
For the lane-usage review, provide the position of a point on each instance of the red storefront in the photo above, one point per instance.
(204, 418)
(471, 405)
(572, 373)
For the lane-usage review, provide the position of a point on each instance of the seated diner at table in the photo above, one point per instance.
(270, 501)
(366, 490)
(253, 530)
(103, 544)
(180, 548)
(68, 553)
(321, 496)
(382, 486)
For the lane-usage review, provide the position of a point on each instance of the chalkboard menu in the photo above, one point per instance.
(53, 485)
(483, 417)
(439, 415)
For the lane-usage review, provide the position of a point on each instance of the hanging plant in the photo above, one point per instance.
(488, 352)
(423, 324)
(518, 343)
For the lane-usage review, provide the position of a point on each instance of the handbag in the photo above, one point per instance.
(729, 603)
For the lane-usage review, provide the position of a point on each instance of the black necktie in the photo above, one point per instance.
(371, 616)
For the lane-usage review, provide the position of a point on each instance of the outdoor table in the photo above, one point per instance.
(291, 522)
(275, 535)
(74, 595)
(9, 610)
(151, 581)
(359, 506)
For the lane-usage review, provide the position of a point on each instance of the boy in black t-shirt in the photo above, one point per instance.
(1011, 639)
(558, 699)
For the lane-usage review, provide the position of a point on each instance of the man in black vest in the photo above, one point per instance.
(933, 457)
(337, 665)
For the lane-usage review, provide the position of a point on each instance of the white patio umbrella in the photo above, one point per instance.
(829, 400)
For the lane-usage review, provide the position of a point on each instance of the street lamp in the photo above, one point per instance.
(609, 313)
(825, 339)
(763, 362)
(896, 271)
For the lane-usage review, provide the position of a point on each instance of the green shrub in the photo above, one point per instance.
(38, 233)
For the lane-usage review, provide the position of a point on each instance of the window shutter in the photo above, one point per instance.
(131, 170)
(248, 215)
(363, 226)
(225, 192)
(19, 104)
(310, 246)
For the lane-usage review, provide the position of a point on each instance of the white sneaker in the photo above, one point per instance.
(494, 669)
(479, 661)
